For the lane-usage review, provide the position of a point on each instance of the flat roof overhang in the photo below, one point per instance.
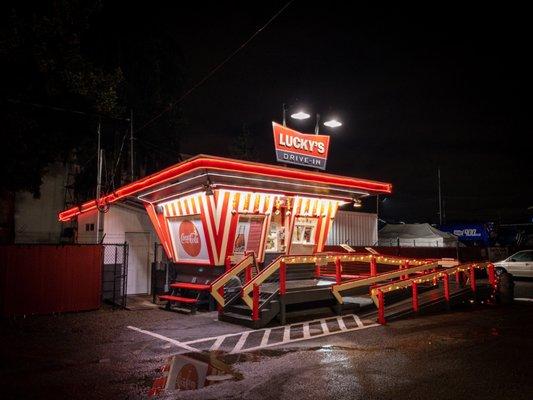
(196, 173)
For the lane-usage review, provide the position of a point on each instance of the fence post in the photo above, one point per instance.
(447, 288)
(228, 263)
(414, 288)
(373, 266)
(473, 278)
(492, 275)
(338, 271)
(381, 308)
(255, 303)
(282, 278)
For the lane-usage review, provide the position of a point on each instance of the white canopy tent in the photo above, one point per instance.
(415, 235)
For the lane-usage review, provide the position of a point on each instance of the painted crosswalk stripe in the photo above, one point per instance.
(287, 334)
(217, 343)
(240, 343)
(307, 334)
(324, 326)
(264, 340)
(342, 325)
(358, 321)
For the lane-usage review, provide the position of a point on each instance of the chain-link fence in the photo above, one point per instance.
(115, 274)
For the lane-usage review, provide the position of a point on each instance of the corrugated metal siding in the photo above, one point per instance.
(41, 279)
(354, 228)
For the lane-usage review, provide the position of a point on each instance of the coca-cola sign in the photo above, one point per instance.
(190, 238)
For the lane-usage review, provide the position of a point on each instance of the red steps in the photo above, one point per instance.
(191, 286)
(178, 299)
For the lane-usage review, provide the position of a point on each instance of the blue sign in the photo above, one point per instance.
(468, 232)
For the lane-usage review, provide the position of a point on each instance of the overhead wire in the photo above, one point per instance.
(213, 70)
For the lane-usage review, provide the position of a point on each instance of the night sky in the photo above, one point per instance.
(416, 88)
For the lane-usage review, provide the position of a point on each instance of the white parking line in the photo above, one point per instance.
(166, 339)
(299, 328)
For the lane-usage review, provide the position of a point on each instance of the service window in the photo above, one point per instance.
(275, 242)
(248, 237)
(304, 231)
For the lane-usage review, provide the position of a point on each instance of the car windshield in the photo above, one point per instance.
(522, 256)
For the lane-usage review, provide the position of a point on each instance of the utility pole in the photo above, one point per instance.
(316, 125)
(99, 157)
(440, 197)
(131, 145)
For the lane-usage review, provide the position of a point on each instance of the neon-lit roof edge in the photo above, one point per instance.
(228, 164)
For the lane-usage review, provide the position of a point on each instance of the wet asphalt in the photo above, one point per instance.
(475, 352)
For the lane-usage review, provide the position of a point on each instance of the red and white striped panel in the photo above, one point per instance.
(188, 205)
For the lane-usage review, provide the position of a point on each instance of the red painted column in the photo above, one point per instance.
(447, 287)
(338, 276)
(473, 278)
(381, 307)
(414, 288)
(373, 266)
(255, 303)
(492, 274)
(228, 263)
(282, 278)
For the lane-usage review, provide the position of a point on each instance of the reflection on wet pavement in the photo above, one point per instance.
(192, 371)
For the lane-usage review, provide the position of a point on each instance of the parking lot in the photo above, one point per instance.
(476, 351)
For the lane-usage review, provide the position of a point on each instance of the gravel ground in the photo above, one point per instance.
(479, 352)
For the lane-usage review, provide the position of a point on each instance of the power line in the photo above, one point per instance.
(214, 70)
(61, 109)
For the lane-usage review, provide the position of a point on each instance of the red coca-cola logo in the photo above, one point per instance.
(189, 238)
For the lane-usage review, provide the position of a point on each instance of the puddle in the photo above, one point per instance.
(192, 371)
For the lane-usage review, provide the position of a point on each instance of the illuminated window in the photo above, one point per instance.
(304, 231)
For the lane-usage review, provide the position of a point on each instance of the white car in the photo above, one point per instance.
(519, 264)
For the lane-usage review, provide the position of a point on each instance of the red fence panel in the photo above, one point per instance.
(42, 279)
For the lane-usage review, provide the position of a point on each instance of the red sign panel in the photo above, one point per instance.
(298, 148)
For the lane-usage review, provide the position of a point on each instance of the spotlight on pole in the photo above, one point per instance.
(300, 115)
(333, 123)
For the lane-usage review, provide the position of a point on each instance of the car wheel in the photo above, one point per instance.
(500, 270)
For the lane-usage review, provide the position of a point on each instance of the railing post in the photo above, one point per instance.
(282, 278)
(373, 266)
(248, 274)
(381, 307)
(447, 287)
(338, 276)
(405, 266)
(458, 278)
(255, 303)
(228, 263)
(221, 293)
(473, 278)
(492, 274)
(414, 288)
(317, 271)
